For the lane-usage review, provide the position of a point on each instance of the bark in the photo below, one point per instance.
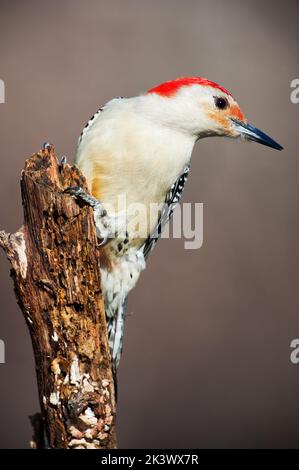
(55, 268)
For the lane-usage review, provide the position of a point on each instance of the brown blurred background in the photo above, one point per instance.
(206, 361)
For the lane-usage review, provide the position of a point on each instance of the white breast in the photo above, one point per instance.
(126, 155)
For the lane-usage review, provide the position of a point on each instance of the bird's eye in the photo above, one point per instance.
(220, 102)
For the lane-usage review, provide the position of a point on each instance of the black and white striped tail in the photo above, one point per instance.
(115, 331)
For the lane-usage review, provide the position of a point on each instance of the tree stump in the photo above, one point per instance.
(55, 261)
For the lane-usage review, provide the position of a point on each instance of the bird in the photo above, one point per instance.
(139, 149)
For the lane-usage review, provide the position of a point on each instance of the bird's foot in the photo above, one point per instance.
(46, 146)
(89, 200)
(101, 218)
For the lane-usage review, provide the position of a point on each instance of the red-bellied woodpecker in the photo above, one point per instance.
(140, 148)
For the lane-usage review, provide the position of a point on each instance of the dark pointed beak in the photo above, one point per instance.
(252, 133)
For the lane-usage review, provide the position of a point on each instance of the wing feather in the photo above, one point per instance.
(172, 198)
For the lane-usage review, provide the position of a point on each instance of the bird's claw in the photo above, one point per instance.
(89, 200)
(74, 191)
(103, 241)
(102, 220)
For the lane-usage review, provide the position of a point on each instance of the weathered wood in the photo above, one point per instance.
(55, 268)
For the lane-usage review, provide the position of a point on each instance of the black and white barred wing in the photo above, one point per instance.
(172, 198)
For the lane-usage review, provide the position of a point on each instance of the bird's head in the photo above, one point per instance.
(202, 108)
